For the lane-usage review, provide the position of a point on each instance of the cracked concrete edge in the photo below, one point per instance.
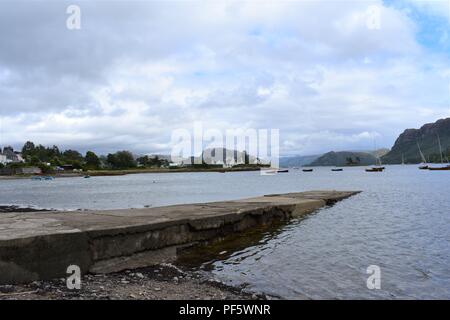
(47, 256)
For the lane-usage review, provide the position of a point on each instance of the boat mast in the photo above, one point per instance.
(377, 157)
(424, 160)
(440, 148)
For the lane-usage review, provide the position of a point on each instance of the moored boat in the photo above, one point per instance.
(378, 165)
(266, 172)
(282, 170)
(446, 167)
(439, 168)
(375, 169)
(307, 170)
(337, 169)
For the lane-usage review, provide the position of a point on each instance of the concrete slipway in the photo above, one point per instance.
(40, 246)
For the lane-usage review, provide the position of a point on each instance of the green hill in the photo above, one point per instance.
(296, 161)
(426, 136)
(344, 158)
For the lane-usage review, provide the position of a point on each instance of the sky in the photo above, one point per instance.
(330, 75)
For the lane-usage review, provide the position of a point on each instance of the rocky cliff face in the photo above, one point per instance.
(426, 136)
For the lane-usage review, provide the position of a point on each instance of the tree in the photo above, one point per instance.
(44, 154)
(121, 160)
(111, 160)
(53, 152)
(28, 149)
(72, 156)
(45, 168)
(34, 160)
(56, 162)
(76, 164)
(143, 161)
(92, 160)
(155, 161)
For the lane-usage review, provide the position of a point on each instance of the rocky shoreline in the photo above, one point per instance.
(161, 282)
(15, 208)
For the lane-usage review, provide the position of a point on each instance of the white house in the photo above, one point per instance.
(10, 155)
(3, 159)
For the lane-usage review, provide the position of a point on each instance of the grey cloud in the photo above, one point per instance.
(216, 57)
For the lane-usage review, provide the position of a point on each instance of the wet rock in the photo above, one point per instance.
(6, 289)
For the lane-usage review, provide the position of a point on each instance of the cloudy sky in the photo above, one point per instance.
(329, 74)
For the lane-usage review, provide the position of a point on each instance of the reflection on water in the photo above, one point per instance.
(203, 257)
(400, 222)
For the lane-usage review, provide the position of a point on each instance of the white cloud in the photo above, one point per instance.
(134, 72)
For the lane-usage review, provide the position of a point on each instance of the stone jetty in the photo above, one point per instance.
(41, 245)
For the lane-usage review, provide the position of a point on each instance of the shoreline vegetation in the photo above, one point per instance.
(40, 160)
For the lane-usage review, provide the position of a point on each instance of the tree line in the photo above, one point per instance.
(39, 155)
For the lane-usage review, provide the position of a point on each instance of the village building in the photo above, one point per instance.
(3, 159)
(8, 155)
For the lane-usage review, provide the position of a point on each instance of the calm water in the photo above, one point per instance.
(401, 222)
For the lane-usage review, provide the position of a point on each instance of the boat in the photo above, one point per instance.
(282, 170)
(40, 178)
(266, 172)
(307, 170)
(424, 165)
(375, 169)
(447, 167)
(337, 169)
(439, 168)
(87, 176)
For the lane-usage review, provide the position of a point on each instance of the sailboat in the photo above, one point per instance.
(403, 159)
(424, 160)
(442, 158)
(378, 167)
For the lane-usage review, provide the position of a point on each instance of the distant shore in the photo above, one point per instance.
(94, 173)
